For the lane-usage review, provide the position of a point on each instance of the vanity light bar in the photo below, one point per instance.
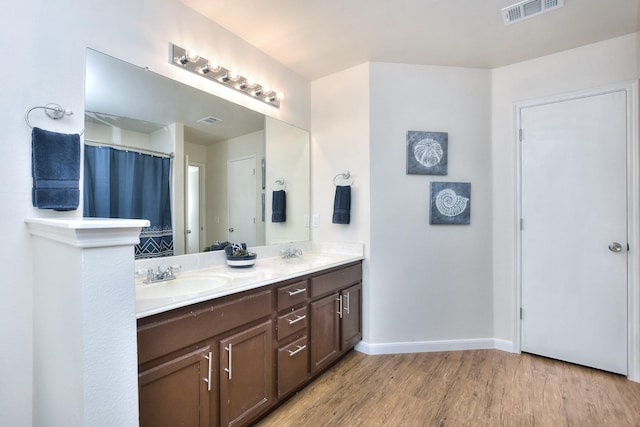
(191, 61)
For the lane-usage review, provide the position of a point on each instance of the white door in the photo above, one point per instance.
(574, 230)
(193, 209)
(241, 181)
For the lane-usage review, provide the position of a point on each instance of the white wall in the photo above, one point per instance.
(48, 42)
(340, 142)
(591, 66)
(429, 283)
(359, 122)
(288, 159)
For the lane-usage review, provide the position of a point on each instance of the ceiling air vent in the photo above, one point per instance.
(209, 120)
(527, 9)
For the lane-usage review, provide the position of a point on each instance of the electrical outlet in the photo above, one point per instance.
(316, 220)
(306, 220)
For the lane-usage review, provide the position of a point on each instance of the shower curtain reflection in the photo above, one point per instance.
(125, 184)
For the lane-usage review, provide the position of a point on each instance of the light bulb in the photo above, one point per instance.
(190, 55)
(210, 67)
(275, 96)
(233, 75)
(250, 82)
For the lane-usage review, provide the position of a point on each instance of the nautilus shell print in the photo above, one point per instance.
(428, 152)
(449, 203)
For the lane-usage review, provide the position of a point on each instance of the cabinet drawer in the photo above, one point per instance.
(337, 279)
(292, 322)
(292, 294)
(292, 365)
(163, 335)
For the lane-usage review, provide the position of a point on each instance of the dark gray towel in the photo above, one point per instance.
(279, 206)
(342, 205)
(55, 168)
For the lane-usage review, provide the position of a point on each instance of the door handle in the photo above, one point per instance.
(615, 247)
(231, 229)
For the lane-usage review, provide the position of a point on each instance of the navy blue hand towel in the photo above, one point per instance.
(55, 168)
(279, 206)
(342, 205)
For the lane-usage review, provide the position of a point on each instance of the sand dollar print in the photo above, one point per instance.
(428, 152)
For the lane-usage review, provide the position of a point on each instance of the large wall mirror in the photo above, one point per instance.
(226, 160)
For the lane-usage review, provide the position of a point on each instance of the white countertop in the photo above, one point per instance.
(215, 280)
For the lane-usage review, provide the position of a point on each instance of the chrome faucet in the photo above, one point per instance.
(290, 253)
(160, 276)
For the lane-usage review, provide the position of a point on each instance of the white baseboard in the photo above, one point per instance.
(433, 346)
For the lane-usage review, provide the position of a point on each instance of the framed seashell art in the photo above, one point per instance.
(450, 203)
(427, 152)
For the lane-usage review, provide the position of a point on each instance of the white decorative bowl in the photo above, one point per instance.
(241, 261)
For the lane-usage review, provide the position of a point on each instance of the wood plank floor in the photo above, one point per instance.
(462, 388)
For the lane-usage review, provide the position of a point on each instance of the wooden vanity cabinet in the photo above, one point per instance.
(181, 377)
(227, 361)
(336, 323)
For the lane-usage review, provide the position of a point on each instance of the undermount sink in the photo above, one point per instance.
(182, 286)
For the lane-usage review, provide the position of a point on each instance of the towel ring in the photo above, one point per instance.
(52, 110)
(346, 175)
(281, 181)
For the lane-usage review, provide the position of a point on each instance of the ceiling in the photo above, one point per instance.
(318, 38)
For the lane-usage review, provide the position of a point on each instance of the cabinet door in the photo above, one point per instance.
(351, 323)
(177, 392)
(246, 374)
(325, 332)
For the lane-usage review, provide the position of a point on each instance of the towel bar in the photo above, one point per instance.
(52, 110)
(346, 175)
(281, 181)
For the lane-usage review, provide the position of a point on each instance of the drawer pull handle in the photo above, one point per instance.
(296, 351)
(296, 292)
(297, 319)
(229, 348)
(340, 313)
(208, 379)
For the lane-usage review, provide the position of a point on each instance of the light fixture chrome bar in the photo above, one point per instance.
(209, 69)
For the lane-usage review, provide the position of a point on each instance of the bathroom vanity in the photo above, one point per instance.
(228, 355)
